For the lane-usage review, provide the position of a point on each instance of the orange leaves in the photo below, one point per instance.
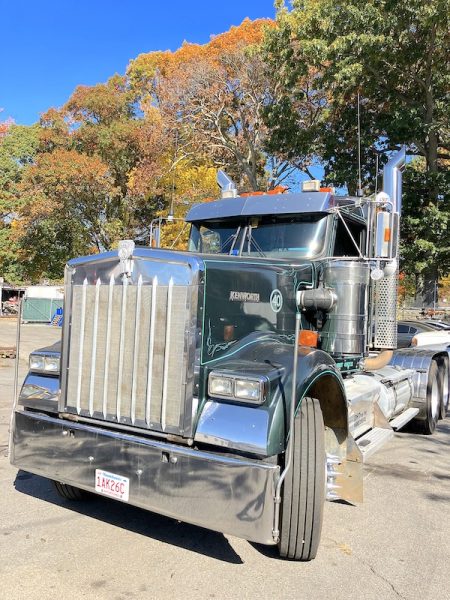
(211, 98)
(65, 180)
(54, 130)
(4, 127)
(101, 103)
(69, 204)
(145, 72)
(248, 33)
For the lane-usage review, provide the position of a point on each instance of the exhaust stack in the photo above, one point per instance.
(392, 179)
(226, 184)
(385, 289)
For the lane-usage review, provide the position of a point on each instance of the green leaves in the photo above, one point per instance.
(395, 55)
(425, 225)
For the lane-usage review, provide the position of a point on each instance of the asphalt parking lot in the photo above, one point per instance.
(395, 545)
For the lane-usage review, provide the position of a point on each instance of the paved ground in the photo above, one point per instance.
(395, 545)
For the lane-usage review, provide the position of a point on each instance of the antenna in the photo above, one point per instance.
(170, 215)
(377, 167)
(359, 191)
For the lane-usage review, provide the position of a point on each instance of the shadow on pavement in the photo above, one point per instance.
(131, 518)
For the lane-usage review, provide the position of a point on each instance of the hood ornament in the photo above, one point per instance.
(125, 251)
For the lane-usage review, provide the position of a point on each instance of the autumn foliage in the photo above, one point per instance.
(265, 101)
(119, 154)
(211, 98)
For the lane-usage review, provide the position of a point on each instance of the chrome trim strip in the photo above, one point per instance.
(94, 347)
(150, 350)
(80, 353)
(66, 348)
(108, 345)
(136, 349)
(166, 354)
(123, 313)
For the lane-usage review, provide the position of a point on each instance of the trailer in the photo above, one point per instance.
(240, 384)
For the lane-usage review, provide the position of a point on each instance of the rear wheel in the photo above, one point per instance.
(304, 486)
(433, 402)
(444, 390)
(69, 492)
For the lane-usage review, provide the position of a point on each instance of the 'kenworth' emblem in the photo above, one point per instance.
(276, 301)
(244, 296)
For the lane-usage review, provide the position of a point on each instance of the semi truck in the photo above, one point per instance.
(240, 384)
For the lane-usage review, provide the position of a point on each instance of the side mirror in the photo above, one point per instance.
(156, 237)
(386, 242)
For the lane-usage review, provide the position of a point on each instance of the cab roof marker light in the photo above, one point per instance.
(311, 185)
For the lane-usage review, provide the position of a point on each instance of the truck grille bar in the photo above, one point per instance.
(129, 348)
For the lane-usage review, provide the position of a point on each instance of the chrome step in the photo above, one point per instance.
(403, 418)
(372, 441)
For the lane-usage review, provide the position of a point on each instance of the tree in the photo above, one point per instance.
(211, 99)
(393, 55)
(18, 147)
(425, 247)
(69, 207)
(190, 185)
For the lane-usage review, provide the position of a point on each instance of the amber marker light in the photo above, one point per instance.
(307, 337)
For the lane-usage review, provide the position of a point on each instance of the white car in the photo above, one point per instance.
(427, 338)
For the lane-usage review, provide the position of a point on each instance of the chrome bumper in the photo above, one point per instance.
(223, 493)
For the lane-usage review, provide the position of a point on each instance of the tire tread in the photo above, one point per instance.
(304, 486)
(69, 492)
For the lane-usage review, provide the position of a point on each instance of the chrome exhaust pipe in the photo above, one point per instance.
(226, 184)
(392, 178)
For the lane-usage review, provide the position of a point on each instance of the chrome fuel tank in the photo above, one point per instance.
(345, 329)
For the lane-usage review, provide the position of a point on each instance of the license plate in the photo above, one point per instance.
(112, 485)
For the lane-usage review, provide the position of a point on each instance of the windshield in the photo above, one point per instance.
(293, 236)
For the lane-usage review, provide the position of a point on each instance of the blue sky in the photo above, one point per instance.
(48, 47)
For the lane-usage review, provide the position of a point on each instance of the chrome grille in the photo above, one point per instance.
(129, 349)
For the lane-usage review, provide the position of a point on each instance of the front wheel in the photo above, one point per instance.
(304, 486)
(69, 492)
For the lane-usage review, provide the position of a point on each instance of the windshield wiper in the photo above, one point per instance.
(234, 237)
(251, 240)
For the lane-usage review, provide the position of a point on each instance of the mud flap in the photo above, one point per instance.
(348, 480)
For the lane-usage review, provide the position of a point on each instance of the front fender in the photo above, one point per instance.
(41, 391)
(262, 429)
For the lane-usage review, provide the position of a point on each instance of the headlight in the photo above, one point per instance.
(238, 387)
(52, 364)
(246, 389)
(37, 363)
(220, 386)
(41, 363)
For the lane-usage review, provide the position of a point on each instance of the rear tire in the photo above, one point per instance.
(69, 492)
(433, 402)
(303, 492)
(444, 388)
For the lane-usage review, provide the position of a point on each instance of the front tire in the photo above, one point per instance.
(303, 492)
(69, 492)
